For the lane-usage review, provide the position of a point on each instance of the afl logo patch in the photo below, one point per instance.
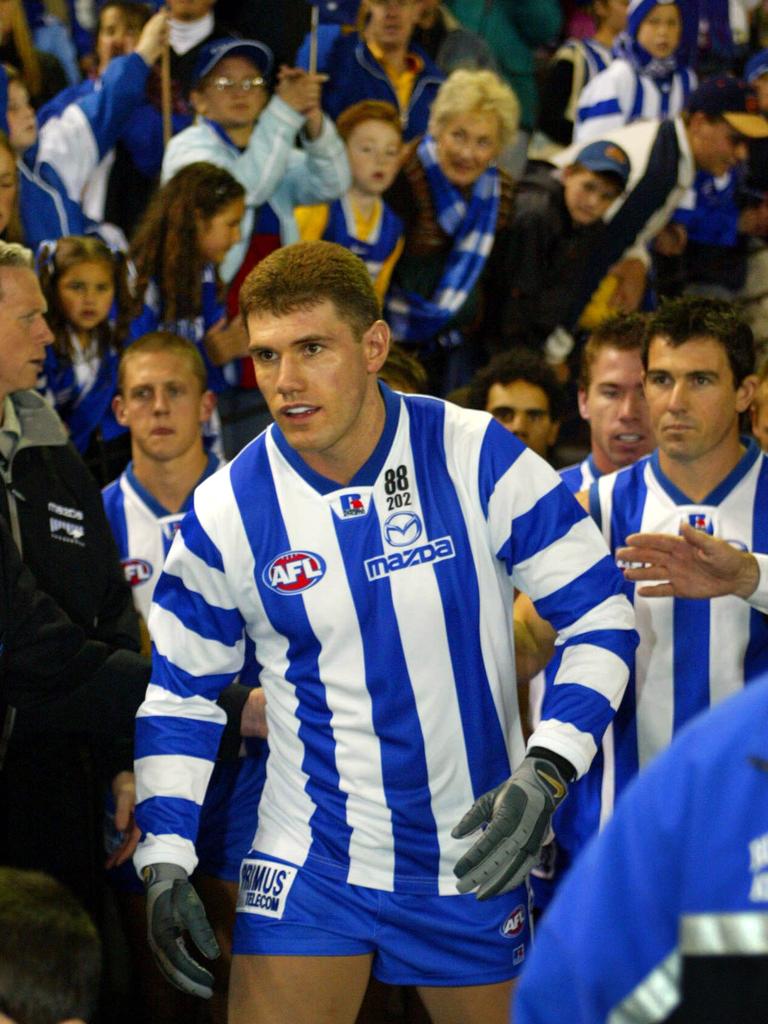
(514, 922)
(293, 572)
(137, 571)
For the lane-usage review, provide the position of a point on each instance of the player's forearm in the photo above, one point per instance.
(753, 586)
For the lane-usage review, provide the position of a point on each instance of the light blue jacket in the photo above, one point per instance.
(270, 168)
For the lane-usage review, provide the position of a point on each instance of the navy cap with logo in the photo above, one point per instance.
(756, 66)
(217, 49)
(604, 157)
(734, 101)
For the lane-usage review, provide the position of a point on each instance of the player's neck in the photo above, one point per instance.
(601, 461)
(171, 481)
(697, 478)
(344, 459)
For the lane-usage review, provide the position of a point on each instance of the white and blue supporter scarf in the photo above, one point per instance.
(472, 225)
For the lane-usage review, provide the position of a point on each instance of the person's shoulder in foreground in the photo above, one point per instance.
(678, 880)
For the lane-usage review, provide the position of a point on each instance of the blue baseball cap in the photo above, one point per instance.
(604, 157)
(217, 49)
(734, 101)
(756, 66)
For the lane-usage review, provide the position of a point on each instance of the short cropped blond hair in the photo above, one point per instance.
(476, 92)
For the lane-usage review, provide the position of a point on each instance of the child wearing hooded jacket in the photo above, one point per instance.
(648, 79)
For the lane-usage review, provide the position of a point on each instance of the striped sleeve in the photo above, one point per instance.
(604, 103)
(198, 636)
(555, 554)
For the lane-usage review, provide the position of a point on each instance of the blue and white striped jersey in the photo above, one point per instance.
(692, 653)
(581, 475)
(381, 617)
(143, 530)
(619, 96)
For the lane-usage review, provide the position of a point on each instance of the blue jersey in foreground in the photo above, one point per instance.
(667, 910)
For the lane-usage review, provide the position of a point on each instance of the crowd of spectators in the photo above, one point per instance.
(524, 181)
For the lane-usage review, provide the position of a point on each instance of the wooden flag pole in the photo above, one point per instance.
(313, 39)
(165, 92)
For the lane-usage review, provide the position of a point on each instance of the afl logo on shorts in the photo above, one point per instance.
(514, 922)
(293, 572)
(137, 571)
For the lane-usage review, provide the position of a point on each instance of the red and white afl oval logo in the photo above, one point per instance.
(294, 572)
(514, 922)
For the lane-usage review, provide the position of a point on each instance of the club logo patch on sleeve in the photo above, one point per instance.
(264, 887)
(137, 571)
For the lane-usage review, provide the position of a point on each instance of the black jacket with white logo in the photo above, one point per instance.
(53, 507)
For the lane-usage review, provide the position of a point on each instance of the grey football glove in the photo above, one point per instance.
(518, 813)
(173, 907)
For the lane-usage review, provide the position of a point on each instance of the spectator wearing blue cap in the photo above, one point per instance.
(554, 230)
(649, 77)
(709, 236)
(241, 128)
(755, 187)
(756, 75)
(711, 135)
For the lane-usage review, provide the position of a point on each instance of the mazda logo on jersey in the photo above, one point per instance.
(137, 570)
(402, 529)
(293, 572)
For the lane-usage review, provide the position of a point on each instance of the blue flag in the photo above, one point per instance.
(337, 12)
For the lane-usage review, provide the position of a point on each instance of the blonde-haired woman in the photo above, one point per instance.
(456, 204)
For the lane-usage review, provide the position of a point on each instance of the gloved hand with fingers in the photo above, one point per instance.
(518, 813)
(174, 907)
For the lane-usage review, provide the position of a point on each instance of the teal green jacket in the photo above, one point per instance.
(513, 29)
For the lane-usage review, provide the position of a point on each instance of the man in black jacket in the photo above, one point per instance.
(56, 765)
(55, 682)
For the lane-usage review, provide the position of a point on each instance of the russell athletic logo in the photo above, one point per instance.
(264, 887)
(293, 572)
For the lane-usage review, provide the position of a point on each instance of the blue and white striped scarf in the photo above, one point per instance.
(472, 225)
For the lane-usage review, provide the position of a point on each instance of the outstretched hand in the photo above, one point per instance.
(691, 564)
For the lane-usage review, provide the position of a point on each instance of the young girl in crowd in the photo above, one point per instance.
(86, 287)
(649, 77)
(10, 220)
(360, 220)
(189, 225)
